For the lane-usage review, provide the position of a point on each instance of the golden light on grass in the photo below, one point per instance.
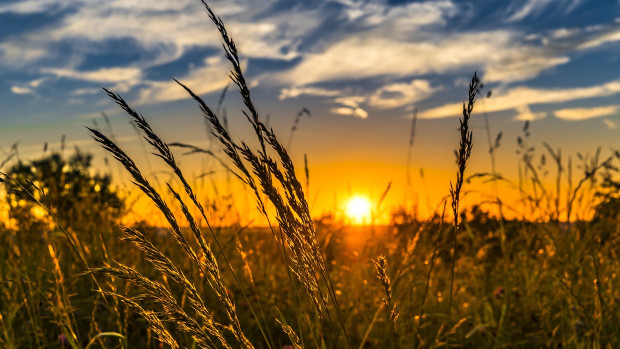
(358, 209)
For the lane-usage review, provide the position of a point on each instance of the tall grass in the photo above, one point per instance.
(273, 177)
(479, 282)
(462, 155)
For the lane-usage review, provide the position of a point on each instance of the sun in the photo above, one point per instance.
(358, 209)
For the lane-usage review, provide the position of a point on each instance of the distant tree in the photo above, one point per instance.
(79, 199)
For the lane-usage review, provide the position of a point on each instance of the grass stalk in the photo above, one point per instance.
(462, 155)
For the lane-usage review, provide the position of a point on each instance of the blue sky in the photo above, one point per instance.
(359, 57)
(360, 66)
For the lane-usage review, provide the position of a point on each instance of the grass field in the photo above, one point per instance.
(72, 277)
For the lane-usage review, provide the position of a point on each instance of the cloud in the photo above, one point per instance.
(351, 111)
(103, 75)
(295, 92)
(359, 57)
(350, 41)
(529, 8)
(350, 105)
(167, 29)
(609, 124)
(401, 94)
(37, 82)
(15, 54)
(85, 91)
(504, 55)
(522, 66)
(518, 97)
(29, 6)
(534, 8)
(499, 52)
(398, 18)
(389, 96)
(596, 41)
(29, 87)
(20, 90)
(524, 113)
(163, 91)
(575, 114)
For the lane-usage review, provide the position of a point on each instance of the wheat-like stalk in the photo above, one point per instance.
(172, 311)
(207, 264)
(381, 267)
(462, 155)
(276, 179)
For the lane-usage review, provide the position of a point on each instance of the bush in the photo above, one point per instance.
(66, 187)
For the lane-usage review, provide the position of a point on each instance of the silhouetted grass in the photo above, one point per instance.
(546, 279)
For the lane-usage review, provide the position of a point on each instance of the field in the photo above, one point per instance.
(543, 275)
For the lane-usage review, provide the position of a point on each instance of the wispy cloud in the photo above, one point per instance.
(351, 111)
(504, 55)
(20, 90)
(528, 8)
(29, 87)
(524, 113)
(610, 124)
(534, 8)
(85, 91)
(575, 114)
(389, 96)
(366, 57)
(294, 92)
(103, 75)
(381, 55)
(14, 54)
(351, 105)
(401, 94)
(213, 71)
(30, 6)
(519, 97)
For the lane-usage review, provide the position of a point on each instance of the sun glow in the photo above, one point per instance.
(358, 209)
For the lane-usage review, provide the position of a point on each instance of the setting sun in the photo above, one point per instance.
(358, 209)
(299, 157)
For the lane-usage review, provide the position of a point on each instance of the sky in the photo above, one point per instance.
(360, 67)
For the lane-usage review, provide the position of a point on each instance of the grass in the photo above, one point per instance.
(482, 281)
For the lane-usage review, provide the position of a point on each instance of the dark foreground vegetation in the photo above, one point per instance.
(70, 276)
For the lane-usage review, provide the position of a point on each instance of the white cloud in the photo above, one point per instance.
(389, 96)
(85, 91)
(350, 111)
(609, 124)
(168, 28)
(533, 8)
(20, 90)
(525, 96)
(350, 105)
(103, 75)
(29, 87)
(401, 94)
(295, 92)
(529, 8)
(521, 66)
(524, 113)
(596, 41)
(575, 114)
(12, 53)
(498, 52)
(163, 91)
(399, 18)
(389, 43)
(29, 6)
(386, 49)
(37, 82)
(351, 101)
